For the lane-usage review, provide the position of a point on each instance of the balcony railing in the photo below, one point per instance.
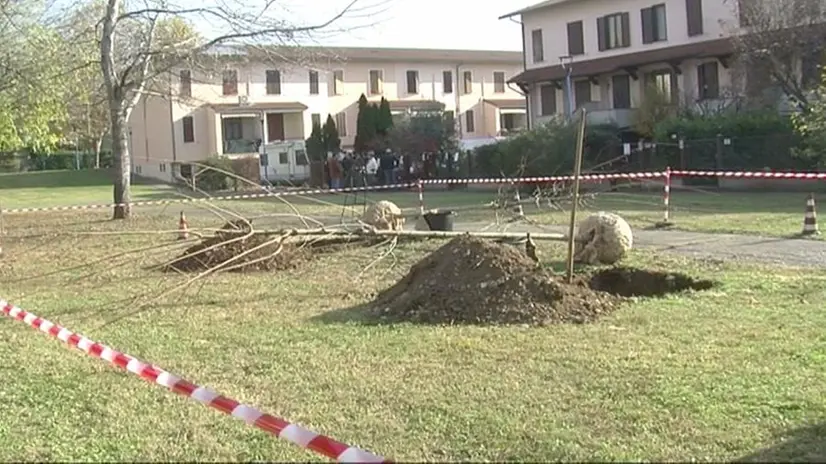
(623, 117)
(234, 147)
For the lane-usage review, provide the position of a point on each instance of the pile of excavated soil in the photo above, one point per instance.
(473, 281)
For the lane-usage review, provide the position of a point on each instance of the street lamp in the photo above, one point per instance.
(566, 61)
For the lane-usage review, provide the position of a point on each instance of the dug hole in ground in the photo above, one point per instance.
(474, 281)
(467, 280)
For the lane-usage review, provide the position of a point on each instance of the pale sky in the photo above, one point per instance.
(457, 24)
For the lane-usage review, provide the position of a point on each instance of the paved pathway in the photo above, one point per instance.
(792, 252)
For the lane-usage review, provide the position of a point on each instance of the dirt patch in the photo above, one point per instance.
(631, 282)
(474, 281)
(234, 249)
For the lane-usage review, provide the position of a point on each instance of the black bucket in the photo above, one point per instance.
(439, 220)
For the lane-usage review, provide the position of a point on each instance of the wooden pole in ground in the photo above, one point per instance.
(580, 147)
(408, 233)
(2, 229)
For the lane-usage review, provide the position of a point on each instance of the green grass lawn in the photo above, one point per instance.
(778, 214)
(767, 213)
(718, 375)
(61, 188)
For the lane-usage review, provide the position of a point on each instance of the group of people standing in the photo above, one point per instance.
(346, 169)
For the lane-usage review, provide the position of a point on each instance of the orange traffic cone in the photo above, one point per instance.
(810, 220)
(183, 228)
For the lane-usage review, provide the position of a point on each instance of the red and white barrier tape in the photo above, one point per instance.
(538, 180)
(667, 195)
(751, 174)
(419, 188)
(245, 196)
(280, 428)
(483, 180)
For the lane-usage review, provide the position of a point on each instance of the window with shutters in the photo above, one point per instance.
(694, 17)
(467, 82)
(621, 91)
(376, 82)
(338, 82)
(230, 82)
(341, 124)
(576, 39)
(664, 83)
(613, 31)
(447, 81)
(708, 85)
(582, 93)
(412, 82)
(313, 82)
(470, 122)
(273, 82)
(537, 46)
(498, 82)
(189, 129)
(654, 24)
(185, 89)
(547, 100)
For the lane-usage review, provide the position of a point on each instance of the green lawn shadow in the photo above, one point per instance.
(803, 444)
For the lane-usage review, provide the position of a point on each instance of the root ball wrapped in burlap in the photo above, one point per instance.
(602, 238)
(384, 215)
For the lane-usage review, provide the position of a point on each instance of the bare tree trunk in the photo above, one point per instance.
(98, 145)
(117, 116)
(122, 167)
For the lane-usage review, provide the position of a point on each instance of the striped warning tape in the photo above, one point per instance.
(280, 428)
(247, 196)
(541, 179)
(751, 174)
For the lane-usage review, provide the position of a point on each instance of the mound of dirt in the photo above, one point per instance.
(473, 281)
(630, 282)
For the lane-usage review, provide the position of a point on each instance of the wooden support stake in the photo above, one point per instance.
(580, 147)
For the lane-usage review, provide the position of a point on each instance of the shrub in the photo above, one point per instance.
(248, 168)
(546, 150)
(759, 139)
(210, 176)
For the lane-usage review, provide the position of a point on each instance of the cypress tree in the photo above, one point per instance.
(365, 132)
(384, 120)
(315, 145)
(331, 139)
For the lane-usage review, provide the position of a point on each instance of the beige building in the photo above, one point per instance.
(616, 49)
(266, 110)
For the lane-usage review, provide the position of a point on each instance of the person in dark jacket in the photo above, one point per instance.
(387, 164)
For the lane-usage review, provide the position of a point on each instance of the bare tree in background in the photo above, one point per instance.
(781, 43)
(140, 43)
(88, 116)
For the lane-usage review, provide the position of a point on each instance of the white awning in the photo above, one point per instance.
(241, 115)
